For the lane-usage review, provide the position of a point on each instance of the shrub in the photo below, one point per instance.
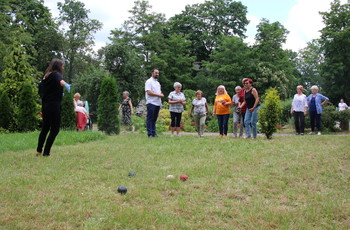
(6, 112)
(67, 111)
(139, 123)
(270, 112)
(108, 119)
(285, 114)
(27, 110)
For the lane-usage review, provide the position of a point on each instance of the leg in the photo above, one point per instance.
(172, 124)
(302, 123)
(149, 121)
(55, 128)
(197, 122)
(44, 130)
(247, 121)
(154, 121)
(296, 122)
(241, 125)
(235, 123)
(220, 120)
(318, 122)
(254, 120)
(202, 124)
(225, 123)
(312, 121)
(178, 122)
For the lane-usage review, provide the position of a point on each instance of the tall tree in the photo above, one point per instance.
(79, 34)
(27, 110)
(6, 111)
(335, 39)
(205, 23)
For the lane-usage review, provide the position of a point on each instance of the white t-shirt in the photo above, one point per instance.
(235, 99)
(299, 103)
(342, 106)
(199, 106)
(152, 84)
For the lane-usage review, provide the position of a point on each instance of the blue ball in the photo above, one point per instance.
(122, 190)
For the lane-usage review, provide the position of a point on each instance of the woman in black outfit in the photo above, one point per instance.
(51, 91)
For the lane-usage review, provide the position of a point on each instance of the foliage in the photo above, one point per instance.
(286, 106)
(88, 84)
(79, 35)
(139, 123)
(108, 119)
(68, 117)
(27, 108)
(270, 112)
(6, 112)
(335, 40)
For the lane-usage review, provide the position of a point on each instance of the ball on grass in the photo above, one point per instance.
(132, 173)
(183, 177)
(170, 177)
(122, 190)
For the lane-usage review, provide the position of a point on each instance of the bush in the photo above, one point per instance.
(67, 111)
(27, 110)
(270, 112)
(108, 119)
(6, 112)
(330, 116)
(285, 114)
(139, 123)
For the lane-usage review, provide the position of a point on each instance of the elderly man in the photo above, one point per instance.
(153, 102)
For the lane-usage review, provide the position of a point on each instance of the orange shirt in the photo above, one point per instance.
(221, 109)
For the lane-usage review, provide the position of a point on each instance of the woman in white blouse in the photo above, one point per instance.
(342, 106)
(176, 100)
(299, 110)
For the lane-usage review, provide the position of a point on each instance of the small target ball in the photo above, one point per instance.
(170, 177)
(132, 173)
(183, 177)
(122, 190)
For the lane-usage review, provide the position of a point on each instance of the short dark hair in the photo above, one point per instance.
(154, 70)
(56, 65)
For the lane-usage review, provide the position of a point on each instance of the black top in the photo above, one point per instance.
(249, 99)
(50, 88)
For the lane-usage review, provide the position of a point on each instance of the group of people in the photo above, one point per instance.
(245, 102)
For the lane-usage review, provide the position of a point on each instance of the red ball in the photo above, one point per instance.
(183, 177)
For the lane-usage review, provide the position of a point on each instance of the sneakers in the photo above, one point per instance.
(220, 136)
(38, 154)
(319, 133)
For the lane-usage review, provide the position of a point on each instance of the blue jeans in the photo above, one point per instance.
(152, 115)
(223, 123)
(250, 120)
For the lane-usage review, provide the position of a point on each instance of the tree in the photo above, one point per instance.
(125, 65)
(67, 111)
(79, 35)
(335, 40)
(6, 111)
(27, 109)
(207, 22)
(270, 112)
(108, 119)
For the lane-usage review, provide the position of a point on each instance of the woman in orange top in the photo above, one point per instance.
(222, 109)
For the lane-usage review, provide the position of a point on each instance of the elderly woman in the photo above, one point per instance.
(222, 109)
(315, 101)
(237, 114)
(251, 100)
(126, 108)
(200, 108)
(176, 100)
(299, 110)
(77, 100)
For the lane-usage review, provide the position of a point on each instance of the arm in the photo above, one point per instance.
(207, 108)
(130, 104)
(191, 111)
(120, 106)
(149, 92)
(256, 96)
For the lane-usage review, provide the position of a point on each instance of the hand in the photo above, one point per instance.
(67, 86)
(252, 110)
(161, 95)
(305, 114)
(213, 114)
(191, 115)
(291, 112)
(206, 113)
(179, 101)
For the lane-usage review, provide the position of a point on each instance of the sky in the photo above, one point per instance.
(300, 17)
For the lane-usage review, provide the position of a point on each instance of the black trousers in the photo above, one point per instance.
(51, 123)
(315, 117)
(175, 119)
(299, 122)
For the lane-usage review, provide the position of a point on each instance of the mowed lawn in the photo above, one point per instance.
(286, 183)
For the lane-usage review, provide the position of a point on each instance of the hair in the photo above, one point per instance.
(244, 79)
(126, 92)
(221, 87)
(300, 87)
(238, 88)
(314, 87)
(56, 65)
(154, 70)
(176, 84)
(199, 92)
(77, 95)
(247, 79)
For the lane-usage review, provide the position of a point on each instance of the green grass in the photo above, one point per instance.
(23, 141)
(286, 183)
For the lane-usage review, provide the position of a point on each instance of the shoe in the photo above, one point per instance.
(38, 154)
(220, 136)
(46, 155)
(224, 135)
(311, 133)
(302, 134)
(247, 137)
(319, 134)
(297, 134)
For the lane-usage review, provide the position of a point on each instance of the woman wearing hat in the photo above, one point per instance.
(251, 99)
(222, 105)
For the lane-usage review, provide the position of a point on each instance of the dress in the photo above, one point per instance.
(126, 112)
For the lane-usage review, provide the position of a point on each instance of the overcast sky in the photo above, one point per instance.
(300, 17)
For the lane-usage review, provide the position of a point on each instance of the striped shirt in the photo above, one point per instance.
(178, 107)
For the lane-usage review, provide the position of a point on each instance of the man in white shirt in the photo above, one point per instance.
(153, 102)
(342, 106)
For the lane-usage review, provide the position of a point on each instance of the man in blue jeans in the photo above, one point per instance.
(153, 102)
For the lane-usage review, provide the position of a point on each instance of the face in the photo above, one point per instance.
(178, 88)
(238, 91)
(199, 96)
(314, 91)
(299, 90)
(247, 84)
(221, 91)
(341, 101)
(77, 97)
(155, 73)
(125, 95)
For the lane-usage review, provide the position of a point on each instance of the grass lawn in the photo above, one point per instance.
(286, 183)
